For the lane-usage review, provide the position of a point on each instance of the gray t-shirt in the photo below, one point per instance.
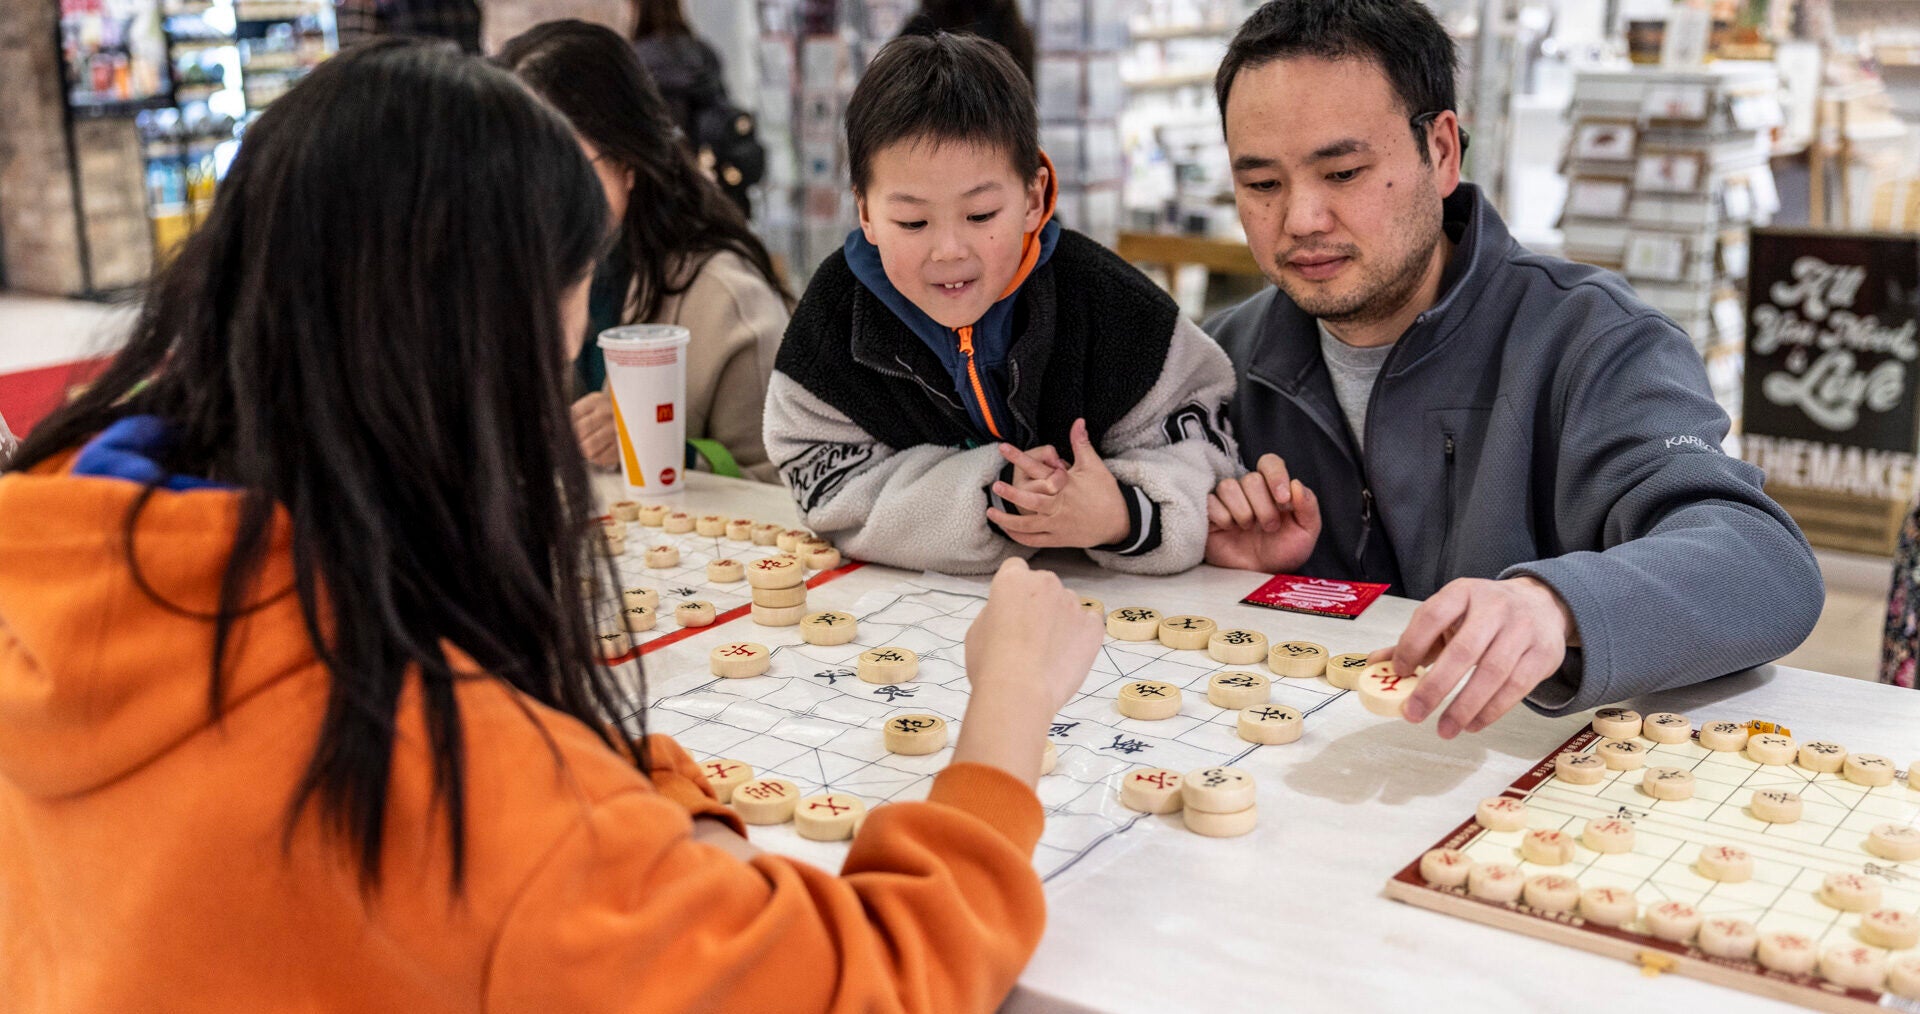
(1352, 370)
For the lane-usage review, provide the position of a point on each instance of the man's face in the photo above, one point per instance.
(949, 220)
(1339, 210)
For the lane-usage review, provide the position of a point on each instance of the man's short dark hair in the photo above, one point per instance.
(1401, 37)
(942, 88)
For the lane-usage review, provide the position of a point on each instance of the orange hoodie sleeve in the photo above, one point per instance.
(937, 909)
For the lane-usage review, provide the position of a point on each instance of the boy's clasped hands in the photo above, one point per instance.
(1075, 504)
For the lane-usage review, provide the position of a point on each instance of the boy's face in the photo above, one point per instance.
(949, 220)
(1339, 210)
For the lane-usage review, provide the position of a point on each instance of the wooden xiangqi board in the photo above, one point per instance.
(1790, 862)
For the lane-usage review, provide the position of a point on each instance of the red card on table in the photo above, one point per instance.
(1340, 599)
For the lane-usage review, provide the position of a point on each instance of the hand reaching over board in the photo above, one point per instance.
(1510, 634)
(1028, 652)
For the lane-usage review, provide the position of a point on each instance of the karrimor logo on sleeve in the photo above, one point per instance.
(818, 473)
(1192, 422)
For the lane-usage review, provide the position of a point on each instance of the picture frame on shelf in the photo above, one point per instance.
(1597, 198)
(1605, 141)
(1669, 172)
(1656, 256)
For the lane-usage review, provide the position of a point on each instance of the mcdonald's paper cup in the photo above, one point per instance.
(647, 375)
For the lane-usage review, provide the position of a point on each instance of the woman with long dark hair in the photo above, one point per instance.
(299, 699)
(685, 255)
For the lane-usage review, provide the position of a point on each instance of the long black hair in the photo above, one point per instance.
(367, 333)
(677, 215)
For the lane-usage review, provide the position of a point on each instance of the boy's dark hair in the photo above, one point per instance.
(942, 88)
(1401, 36)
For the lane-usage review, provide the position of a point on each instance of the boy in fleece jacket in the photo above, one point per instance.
(966, 380)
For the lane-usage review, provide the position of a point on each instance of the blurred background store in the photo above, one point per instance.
(1701, 149)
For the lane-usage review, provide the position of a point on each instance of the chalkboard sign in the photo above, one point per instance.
(1833, 335)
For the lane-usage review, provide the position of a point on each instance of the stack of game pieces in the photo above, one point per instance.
(779, 590)
(1218, 802)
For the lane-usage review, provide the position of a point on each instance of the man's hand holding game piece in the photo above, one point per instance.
(1265, 520)
(1083, 510)
(593, 428)
(1512, 634)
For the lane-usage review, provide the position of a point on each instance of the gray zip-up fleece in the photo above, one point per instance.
(1538, 420)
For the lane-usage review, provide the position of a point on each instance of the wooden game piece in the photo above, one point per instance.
(1671, 784)
(1186, 633)
(1728, 864)
(1724, 737)
(1673, 920)
(1621, 755)
(915, 735)
(1149, 700)
(770, 616)
(663, 557)
(1854, 966)
(1551, 892)
(789, 540)
(780, 598)
(1501, 813)
(1772, 749)
(614, 644)
(1903, 971)
(1343, 671)
(740, 530)
(1822, 757)
(1297, 659)
(1270, 724)
(711, 525)
(1546, 847)
(1237, 647)
(1499, 882)
(1217, 789)
(726, 774)
(653, 515)
(1897, 842)
(1608, 835)
(829, 628)
(1445, 867)
(1221, 825)
(1235, 691)
(726, 572)
(696, 613)
(624, 510)
(830, 816)
(782, 571)
(1727, 937)
(1849, 892)
(613, 526)
(766, 801)
(1049, 759)
(1151, 790)
(739, 660)
(1792, 953)
(1869, 769)
(1890, 928)
(1616, 723)
(1579, 769)
(1133, 623)
(639, 619)
(887, 666)
(810, 544)
(678, 523)
(613, 545)
(1385, 692)
(1094, 606)
(1775, 806)
(822, 558)
(1667, 728)
(640, 597)
(1609, 906)
(766, 535)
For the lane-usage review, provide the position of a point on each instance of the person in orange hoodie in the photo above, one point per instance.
(966, 368)
(299, 700)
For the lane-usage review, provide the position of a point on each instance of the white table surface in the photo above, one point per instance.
(1292, 916)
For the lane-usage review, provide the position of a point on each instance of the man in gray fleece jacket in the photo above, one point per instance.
(1516, 439)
